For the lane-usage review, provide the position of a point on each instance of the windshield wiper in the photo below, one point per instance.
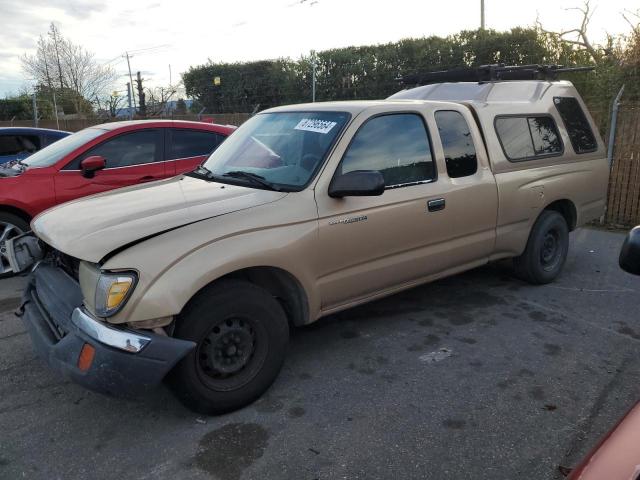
(202, 172)
(252, 177)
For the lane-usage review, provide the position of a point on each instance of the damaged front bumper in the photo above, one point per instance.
(122, 361)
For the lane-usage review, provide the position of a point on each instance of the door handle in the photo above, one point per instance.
(436, 204)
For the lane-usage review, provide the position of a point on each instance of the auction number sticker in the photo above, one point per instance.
(315, 125)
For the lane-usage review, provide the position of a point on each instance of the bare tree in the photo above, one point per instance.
(63, 66)
(113, 103)
(579, 36)
(632, 50)
(157, 99)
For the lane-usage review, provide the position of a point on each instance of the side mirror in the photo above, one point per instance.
(359, 183)
(90, 165)
(630, 252)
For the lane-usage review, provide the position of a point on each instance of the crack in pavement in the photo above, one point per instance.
(580, 319)
(585, 423)
(6, 337)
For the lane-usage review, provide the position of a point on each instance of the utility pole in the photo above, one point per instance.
(130, 76)
(55, 109)
(169, 75)
(35, 111)
(129, 100)
(481, 14)
(313, 76)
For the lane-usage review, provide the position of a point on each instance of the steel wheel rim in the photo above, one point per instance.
(7, 231)
(551, 250)
(228, 348)
(246, 348)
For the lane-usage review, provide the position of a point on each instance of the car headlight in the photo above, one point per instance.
(113, 291)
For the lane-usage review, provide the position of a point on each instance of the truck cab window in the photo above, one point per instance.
(575, 121)
(528, 137)
(459, 151)
(396, 145)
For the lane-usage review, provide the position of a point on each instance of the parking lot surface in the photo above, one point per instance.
(476, 376)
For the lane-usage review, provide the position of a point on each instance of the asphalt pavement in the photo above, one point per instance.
(478, 376)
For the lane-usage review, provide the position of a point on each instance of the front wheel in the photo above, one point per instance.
(546, 250)
(10, 226)
(241, 334)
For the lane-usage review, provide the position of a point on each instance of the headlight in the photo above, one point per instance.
(113, 291)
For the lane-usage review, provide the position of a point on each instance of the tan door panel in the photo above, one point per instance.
(372, 243)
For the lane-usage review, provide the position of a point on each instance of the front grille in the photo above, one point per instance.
(67, 263)
(54, 257)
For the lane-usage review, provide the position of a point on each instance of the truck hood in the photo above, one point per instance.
(92, 227)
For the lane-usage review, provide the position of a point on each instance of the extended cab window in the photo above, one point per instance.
(528, 137)
(191, 143)
(459, 151)
(577, 125)
(136, 148)
(396, 145)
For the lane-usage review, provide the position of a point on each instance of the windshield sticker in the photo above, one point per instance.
(315, 125)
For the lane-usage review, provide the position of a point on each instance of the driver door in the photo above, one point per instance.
(370, 244)
(131, 158)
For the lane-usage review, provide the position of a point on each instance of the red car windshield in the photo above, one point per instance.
(56, 151)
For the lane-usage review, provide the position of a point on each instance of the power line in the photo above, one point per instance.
(148, 49)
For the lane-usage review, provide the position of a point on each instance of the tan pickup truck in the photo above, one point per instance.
(304, 211)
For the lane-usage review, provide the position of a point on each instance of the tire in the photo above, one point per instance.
(242, 334)
(10, 226)
(546, 250)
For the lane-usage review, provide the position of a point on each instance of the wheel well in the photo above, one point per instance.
(282, 285)
(15, 211)
(567, 209)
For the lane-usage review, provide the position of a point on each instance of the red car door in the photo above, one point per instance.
(186, 148)
(131, 158)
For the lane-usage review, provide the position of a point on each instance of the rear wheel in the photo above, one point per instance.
(546, 251)
(10, 226)
(241, 332)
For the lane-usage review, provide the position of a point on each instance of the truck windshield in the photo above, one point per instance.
(56, 151)
(284, 149)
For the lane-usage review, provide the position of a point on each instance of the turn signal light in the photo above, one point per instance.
(86, 357)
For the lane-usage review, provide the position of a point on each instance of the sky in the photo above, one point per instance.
(187, 33)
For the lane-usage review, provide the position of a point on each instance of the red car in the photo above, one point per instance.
(97, 159)
(617, 456)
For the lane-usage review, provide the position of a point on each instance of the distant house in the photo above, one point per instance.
(170, 107)
(124, 112)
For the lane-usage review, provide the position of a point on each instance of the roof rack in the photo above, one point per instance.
(492, 73)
